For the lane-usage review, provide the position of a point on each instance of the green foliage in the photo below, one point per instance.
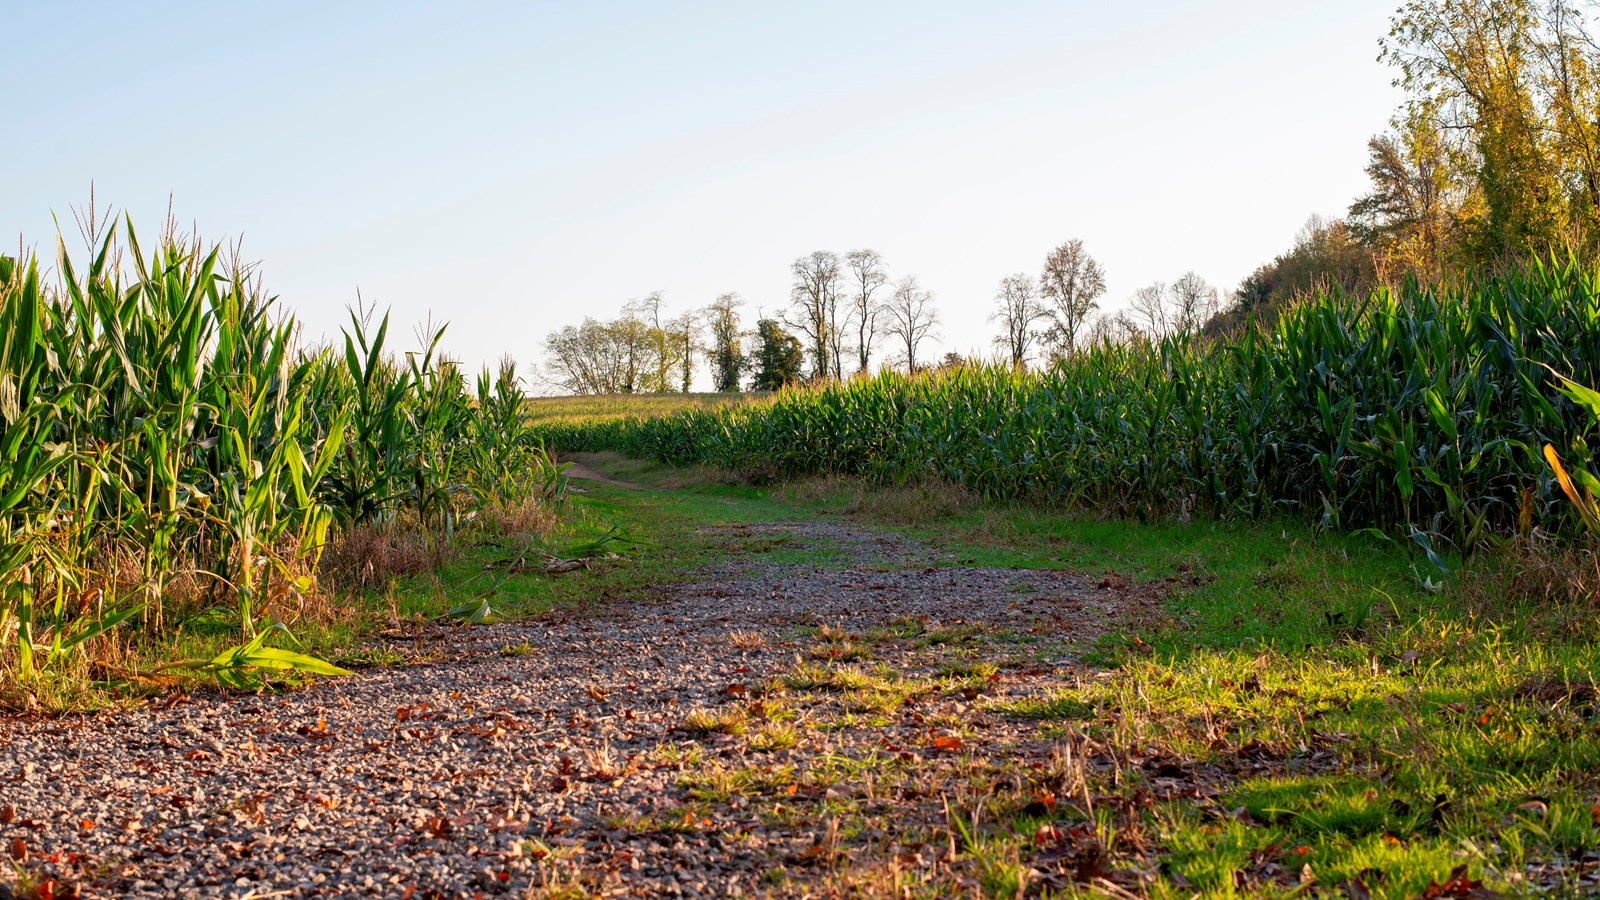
(1326, 256)
(1495, 152)
(726, 353)
(164, 413)
(1587, 486)
(779, 357)
(1421, 409)
(239, 667)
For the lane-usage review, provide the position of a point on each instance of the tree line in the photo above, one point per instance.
(844, 311)
(1492, 159)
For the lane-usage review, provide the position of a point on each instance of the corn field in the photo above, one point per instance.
(161, 423)
(1422, 411)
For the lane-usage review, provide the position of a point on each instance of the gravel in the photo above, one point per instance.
(546, 750)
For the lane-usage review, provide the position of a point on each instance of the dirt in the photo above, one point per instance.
(635, 749)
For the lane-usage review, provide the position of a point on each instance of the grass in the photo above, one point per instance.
(1337, 712)
(1281, 698)
(1325, 705)
(620, 406)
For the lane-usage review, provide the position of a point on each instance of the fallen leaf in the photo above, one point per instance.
(1457, 885)
(19, 850)
(947, 742)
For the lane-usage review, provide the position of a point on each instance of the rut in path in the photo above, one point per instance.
(583, 746)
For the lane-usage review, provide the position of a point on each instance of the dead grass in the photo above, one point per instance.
(369, 556)
(525, 519)
(1538, 581)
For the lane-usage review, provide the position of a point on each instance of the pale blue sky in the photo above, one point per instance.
(512, 167)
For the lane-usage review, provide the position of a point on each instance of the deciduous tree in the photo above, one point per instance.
(1019, 312)
(814, 295)
(1191, 302)
(727, 342)
(779, 357)
(1507, 89)
(867, 279)
(911, 317)
(683, 340)
(599, 357)
(663, 348)
(1070, 282)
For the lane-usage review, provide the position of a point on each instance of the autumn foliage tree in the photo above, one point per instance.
(1496, 154)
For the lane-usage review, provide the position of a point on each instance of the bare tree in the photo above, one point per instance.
(815, 295)
(1111, 328)
(911, 317)
(1180, 309)
(1071, 282)
(1193, 301)
(867, 277)
(1018, 310)
(1149, 306)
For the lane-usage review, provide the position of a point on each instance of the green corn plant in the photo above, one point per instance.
(505, 458)
(1418, 410)
(157, 410)
(240, 667)
(259, 420)
(1583, 493)
(373, 473)
(435, 418)
(29, 458)
(158, 342)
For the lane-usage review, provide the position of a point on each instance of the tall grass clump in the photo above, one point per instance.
(1422, 411)
(170, 450)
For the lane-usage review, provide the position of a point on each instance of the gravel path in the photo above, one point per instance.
(600, 749)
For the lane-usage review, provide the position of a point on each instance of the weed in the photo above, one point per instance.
(702, 722)
(774, 736)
